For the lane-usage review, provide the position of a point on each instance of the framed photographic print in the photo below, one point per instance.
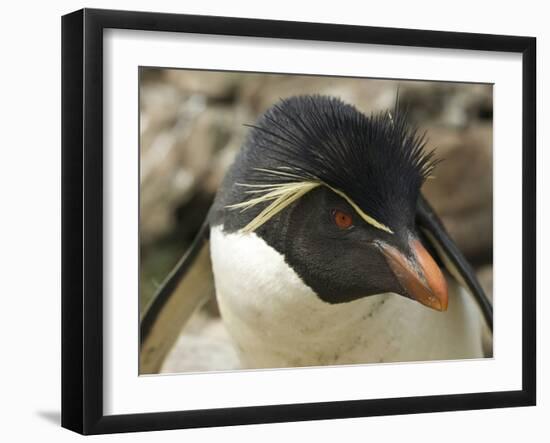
(271, 221)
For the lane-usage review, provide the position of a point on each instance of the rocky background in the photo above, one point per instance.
(192, 124)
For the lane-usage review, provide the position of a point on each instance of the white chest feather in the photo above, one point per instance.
(278, 321)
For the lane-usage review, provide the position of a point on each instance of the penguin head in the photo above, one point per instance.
(335, 192)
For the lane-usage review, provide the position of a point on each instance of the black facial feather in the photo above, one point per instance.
(378, 161)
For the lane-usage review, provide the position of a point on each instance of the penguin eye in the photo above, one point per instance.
(342, 219)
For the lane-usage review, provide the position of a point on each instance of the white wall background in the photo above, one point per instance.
(30, 219)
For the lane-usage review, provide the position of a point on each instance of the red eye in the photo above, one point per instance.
(342, 219)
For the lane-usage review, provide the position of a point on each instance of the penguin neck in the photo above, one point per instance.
(276, 319)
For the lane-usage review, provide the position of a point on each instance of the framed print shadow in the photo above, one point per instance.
(268, 221)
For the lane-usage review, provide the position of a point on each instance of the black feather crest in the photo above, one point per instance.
(379, 161)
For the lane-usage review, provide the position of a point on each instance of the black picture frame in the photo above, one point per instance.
(82, 220)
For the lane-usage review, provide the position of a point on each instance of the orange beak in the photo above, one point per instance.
(420, 277)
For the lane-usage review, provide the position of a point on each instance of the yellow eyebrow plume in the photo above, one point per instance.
(280, 195)
(367, 218)
(283, 194)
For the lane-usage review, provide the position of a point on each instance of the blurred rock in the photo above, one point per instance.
(186, 146)
(215, 86)
(452, 105)
(462, 188)
(203, 345)
(267, 90)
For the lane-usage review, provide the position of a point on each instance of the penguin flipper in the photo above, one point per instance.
(431, 226)
(187, 287)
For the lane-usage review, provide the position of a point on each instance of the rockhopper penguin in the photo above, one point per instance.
(325, 252)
